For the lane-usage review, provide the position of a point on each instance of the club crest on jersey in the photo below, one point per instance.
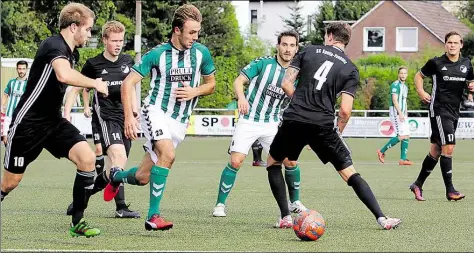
(463, 68)
(125, 69)
(181, 74)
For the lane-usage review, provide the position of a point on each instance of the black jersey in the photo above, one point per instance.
(449, 83)
(44, 94)
(110, 107)
(324, 72)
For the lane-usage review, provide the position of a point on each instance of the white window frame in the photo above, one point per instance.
(399, 47)
(365, 39)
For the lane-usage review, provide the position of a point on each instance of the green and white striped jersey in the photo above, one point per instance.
(264, 93)
(170, 68)
(15, 89)
(400, 89)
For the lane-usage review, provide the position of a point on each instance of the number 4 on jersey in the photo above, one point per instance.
(322, 73)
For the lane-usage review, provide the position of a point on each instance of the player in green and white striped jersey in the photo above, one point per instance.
(259, 109)
(11, 96)
(398, 116)
(176, 68)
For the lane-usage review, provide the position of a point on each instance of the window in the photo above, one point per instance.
(253, 21)
(374, 39)
(407, 39)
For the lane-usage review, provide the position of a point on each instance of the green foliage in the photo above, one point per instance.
(340, 10)
(22, 30)
(382, 60)
(296, 21)
(468, 47)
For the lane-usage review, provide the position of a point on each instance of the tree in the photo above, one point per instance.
(22, 30)
(343, 10)
(295, 21)
(326, 12)
(468, 47)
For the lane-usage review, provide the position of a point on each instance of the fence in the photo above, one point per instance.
(363, 123)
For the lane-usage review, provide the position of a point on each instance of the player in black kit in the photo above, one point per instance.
(324, 73)
(107, 117)
(450, 74)
(37, 123)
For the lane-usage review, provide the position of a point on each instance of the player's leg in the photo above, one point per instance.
(257, 149)
(66, 141)
(5, 126)
(448, 127)
(404, 137)
(394, 140)
(430, 161)
(20, 151)
(288, 143)
(330, 147)
(292, 170)
(244, 135)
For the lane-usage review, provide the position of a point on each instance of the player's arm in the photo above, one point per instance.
(86, 99)
(288, 83)
(70, 76)
(71, 96)
(345, 111)
(347, 99)
(395, 103)
(5, 98)
(242, 103)
(428, 69)
(127, 93)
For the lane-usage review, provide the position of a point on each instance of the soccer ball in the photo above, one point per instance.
(309, 225)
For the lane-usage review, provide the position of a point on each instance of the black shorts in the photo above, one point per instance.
(443, 129)
(326, 142)
(27, 140)
(95, 129)
(112, 132)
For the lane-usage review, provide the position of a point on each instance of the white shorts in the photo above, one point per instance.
(247, 131)
(401, 128)
(156, 125)
(6, 125)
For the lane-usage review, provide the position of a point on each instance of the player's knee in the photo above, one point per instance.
(290, 164)
(98, 151)
(236, 162)
(86, 161)
(167, 158)
(447, 150)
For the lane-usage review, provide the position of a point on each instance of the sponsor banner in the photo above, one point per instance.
(223, 125)
(383, 127)
(212, 125)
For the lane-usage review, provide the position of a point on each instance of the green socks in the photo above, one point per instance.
(158, 178)
(226, 183)
(404, 149)
(293, 179)
(127, 176)
(390, 144)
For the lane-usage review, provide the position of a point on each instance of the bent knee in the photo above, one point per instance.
(290, 164)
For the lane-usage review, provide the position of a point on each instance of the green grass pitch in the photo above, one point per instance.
(33, 216)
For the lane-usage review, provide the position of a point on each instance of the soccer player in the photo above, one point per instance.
(324, 72)
(259, 118)
(449, 72)
(37, 122)
(399, 118)
(107, 121)
(176, 67)
(11, 96)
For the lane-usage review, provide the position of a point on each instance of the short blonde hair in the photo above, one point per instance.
(112, 27)
(74, 13)
(184, 13)
(402, 67)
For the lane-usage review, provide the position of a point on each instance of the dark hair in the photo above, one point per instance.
(22, 62)
(289, 33)
(452, 33)
(183, 13)
(340, 31)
